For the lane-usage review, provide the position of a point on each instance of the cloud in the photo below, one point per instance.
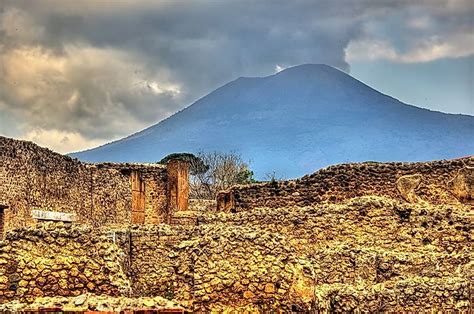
(421, 31)
(426, 50)
(94, 71)
(99, 92)
(60, 141)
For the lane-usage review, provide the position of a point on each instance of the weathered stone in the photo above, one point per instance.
(23, 283)
(462, 185)
(149, 303)
(3, 279)
(269, 288)
(80, 300)
(407, 185)
(348, 254)
(248, 294)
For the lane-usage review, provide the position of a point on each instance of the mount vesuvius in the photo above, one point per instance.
(296, 121)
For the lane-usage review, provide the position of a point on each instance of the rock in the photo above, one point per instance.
(37, 292)
(80, 300)
(249, 294)
(269, 288)
(90, 286)
(462, 185)
(150, 303)
(3, 279)
(407, 185)
(23, 283)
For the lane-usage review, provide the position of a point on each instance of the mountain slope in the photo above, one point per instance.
(297, 121)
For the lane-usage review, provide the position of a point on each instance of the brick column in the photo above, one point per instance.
(138, 198)
(178, 185)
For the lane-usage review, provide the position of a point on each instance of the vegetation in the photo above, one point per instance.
(222, 171)
(212, 172)
(196, 164)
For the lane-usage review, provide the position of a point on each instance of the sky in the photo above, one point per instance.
(77, 74)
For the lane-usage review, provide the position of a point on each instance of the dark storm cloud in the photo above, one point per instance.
(104, 69)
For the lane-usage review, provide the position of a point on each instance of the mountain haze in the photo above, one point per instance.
(296, 121)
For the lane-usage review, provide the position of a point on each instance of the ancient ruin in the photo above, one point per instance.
(35, 178)
(438, 182)
(378, 237)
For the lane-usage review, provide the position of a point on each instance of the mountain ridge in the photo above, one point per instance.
(292, 109)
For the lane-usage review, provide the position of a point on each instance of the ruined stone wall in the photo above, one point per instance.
(154, 178)
(54, 259)
(157, 209)
(322, 257)
(239, 267)
(214, 268)
(432, 181)
(32, 177)
(369, 253)
(159, 267)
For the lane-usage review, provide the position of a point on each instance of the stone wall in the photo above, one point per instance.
(242, 267)
(56, 259)
(214, 268)
(178, 185)
(159, 267)
(447, 181)
(320, 243)
(32, 177)
(368, 253)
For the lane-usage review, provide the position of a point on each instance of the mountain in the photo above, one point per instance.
(296, 121)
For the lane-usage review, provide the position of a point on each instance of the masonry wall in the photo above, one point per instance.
(371, 253)
(159, 267)
(32, 177)
(432, 181)
(54, 259)
(217, 267)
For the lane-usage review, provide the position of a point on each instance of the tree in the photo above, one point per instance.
(196, 164)
(223, 171)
